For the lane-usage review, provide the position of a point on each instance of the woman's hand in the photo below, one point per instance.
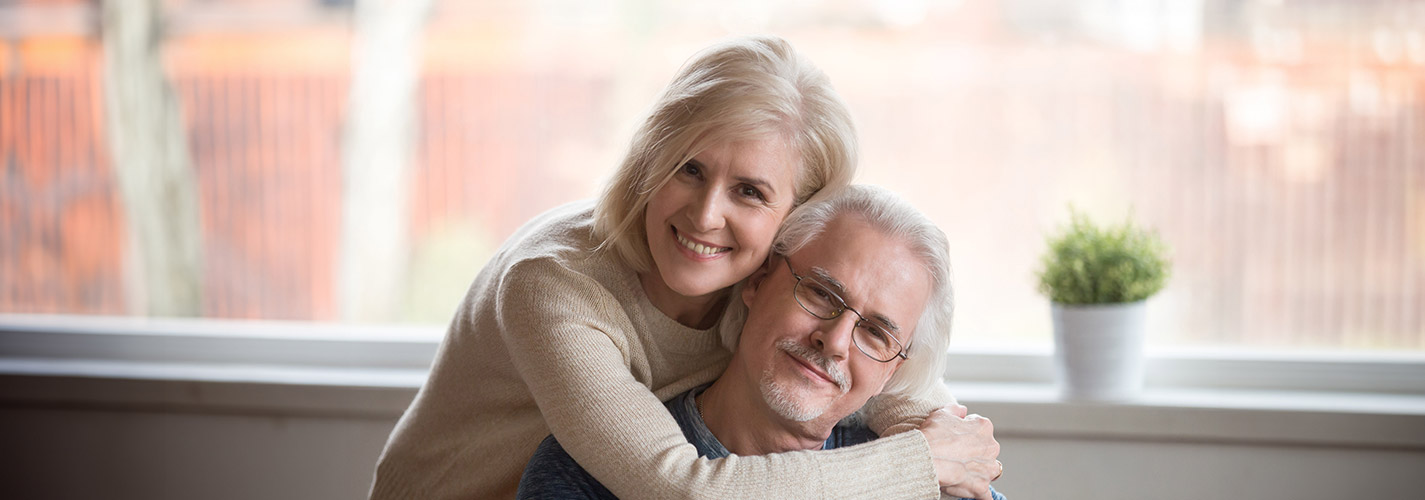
(964, 450)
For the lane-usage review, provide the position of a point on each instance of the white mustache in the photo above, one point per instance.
(816, 358)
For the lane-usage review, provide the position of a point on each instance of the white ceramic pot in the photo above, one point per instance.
(1098, 350)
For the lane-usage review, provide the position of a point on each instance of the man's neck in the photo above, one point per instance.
(745, 425)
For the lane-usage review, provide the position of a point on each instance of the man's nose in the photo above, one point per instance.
(707, 211)
(833, 337)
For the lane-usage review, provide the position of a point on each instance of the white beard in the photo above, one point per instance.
(789, 402)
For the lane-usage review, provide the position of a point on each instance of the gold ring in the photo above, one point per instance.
(1001, 470)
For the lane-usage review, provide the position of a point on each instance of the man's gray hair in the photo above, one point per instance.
(894, 217)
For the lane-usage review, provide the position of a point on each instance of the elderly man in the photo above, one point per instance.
(855, 300)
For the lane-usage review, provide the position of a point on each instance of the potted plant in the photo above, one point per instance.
(1098, 280)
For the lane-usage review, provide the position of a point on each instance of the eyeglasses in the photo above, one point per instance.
(870, 336)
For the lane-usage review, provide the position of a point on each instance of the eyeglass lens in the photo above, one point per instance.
(870, 337)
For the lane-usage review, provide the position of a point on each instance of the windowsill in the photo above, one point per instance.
(101, 364)
(1239, 416)
(1391, 421)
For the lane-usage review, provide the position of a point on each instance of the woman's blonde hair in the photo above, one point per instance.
(743, 88)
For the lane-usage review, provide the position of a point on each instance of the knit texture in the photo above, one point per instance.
(556, 338)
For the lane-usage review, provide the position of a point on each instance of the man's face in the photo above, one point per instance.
(809, 369)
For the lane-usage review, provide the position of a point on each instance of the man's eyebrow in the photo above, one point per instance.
(825, 277)
(885, 320)
(840, 289)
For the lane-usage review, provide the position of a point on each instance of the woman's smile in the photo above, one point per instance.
(700, 249)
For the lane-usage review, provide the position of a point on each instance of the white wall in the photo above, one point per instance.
(90, 454)
(160, 439)
(1108, 469)
(123, 408)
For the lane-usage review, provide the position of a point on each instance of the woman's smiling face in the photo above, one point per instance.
(713, 223)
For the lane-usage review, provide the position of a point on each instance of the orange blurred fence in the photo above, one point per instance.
(266, 151)
(1293, 195)
(58, 209)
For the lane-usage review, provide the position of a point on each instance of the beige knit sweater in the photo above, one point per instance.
(554, 337)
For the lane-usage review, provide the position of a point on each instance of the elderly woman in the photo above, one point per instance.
(590, 315)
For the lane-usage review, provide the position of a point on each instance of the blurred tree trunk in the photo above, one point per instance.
(377, 153)
(163, 255)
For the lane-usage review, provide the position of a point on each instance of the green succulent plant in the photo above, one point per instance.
(1088, 264)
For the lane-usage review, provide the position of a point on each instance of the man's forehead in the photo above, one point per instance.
(827, 278)
(830, 252)
(854, 269)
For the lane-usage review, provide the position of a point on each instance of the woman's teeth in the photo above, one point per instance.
(699, 248)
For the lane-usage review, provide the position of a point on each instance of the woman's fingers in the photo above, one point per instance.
(964, 451)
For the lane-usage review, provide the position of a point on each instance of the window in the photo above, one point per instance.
(1276, 145)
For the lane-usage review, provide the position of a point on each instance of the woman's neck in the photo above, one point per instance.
(700, 312)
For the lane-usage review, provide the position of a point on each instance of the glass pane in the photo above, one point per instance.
(1276, 146)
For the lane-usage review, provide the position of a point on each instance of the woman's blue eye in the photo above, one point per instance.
(691, 169)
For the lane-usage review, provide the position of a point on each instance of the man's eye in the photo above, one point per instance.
(823, 295)
(820, 292)
(877, 335)
(814, 295)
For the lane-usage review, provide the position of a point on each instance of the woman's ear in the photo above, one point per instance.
(754, 282)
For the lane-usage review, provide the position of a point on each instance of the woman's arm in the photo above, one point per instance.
(963, 446)
(571, 354)
(893, 413)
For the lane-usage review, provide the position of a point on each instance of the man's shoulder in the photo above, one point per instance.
(684, 408)
(552, 473)
(849, 433)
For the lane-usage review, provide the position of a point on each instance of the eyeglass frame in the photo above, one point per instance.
(860, 318)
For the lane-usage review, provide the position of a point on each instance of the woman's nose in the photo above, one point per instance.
(707, 212)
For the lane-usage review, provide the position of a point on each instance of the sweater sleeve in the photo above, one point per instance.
(570, 351)
(890, 413)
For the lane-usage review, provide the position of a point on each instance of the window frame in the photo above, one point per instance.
(404, 348)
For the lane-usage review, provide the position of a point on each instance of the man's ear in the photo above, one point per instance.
(754, 282)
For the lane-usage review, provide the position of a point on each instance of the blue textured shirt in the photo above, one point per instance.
(552, 473)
